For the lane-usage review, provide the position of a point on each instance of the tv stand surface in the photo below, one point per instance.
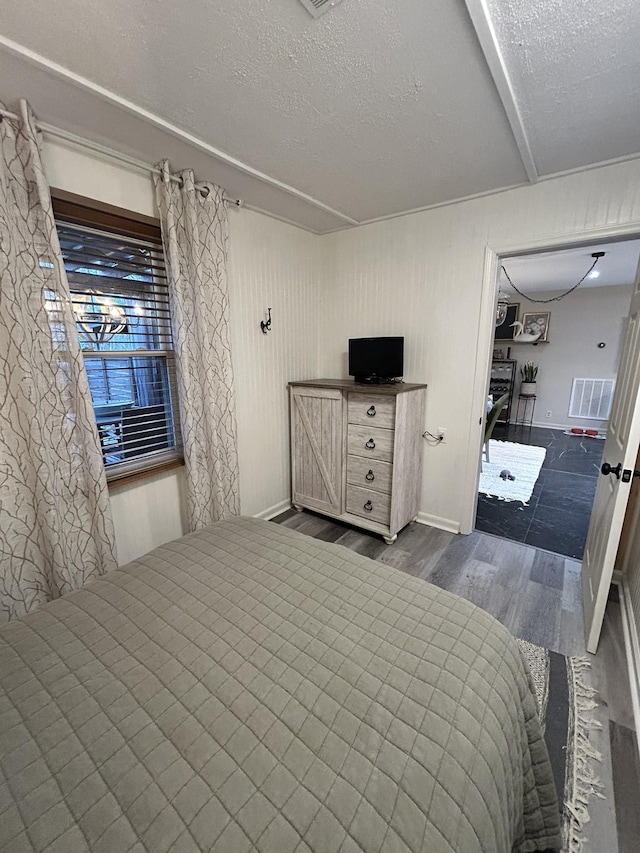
(351, 385)
(356, 451)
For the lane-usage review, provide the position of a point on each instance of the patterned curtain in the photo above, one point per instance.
(55, 527)
(194, 228)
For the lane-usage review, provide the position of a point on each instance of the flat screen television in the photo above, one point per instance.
(376, 360)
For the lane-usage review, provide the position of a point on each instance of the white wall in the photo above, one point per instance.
(76, 171)
(271, 264)
(577, 324)
(148, 512)
(422, 276)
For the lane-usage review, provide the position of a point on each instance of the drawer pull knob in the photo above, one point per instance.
(368, 507)
(371, 411)
(370, 476)
(370, 444)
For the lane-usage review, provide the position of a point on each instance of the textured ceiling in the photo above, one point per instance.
(575, 67)
(560, 270)
(373, 109)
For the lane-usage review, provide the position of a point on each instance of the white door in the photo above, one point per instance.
(612, 493)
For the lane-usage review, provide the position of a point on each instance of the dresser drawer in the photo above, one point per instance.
(371, 443)
(369, 504)
(369, 473)
(371, 410)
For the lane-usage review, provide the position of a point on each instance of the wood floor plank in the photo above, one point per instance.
(398, 558)
(571, 633)
(332, 532)
(426, 544)
(512, 559)
(572, 587)
(286, 515)
(610, 675)
(548, 569)
(477, 583)
(502, 551)
(540, 619)
(626, 772)
(362, 543)
(446, 570)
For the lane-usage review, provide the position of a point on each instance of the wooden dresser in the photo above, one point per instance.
(356, 451)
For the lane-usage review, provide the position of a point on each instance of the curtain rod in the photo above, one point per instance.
(51, 130)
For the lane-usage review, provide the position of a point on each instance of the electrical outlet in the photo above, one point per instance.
(548, 413)
(441, 431)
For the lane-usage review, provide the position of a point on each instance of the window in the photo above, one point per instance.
(120, 299)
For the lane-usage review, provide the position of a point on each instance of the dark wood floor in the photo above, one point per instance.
(536, 595)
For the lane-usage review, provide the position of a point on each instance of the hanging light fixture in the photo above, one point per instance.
(590, 273)
(501, 309)
(98, 318)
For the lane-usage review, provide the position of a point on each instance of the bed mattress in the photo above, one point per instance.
(250, 688)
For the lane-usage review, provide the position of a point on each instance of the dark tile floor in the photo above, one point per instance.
(557, 516)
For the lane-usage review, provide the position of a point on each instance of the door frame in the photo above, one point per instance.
(486, 325)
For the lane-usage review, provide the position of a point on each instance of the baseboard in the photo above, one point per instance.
(632, 649)
(423, 517)
(436, 521)
(268, 514)
(546, 425)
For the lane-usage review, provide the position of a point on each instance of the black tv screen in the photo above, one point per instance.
(376, 359)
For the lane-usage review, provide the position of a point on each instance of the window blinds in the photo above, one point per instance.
(120, 299)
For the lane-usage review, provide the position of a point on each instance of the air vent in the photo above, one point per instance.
(318, 7)
(591, 398)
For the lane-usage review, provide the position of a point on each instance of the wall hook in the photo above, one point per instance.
(266, 325)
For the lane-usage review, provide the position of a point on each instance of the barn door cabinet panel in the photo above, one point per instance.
(317, 441)
(356, 451)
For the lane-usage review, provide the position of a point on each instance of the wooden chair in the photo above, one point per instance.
(492, 419)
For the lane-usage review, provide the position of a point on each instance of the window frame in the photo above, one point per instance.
(72, 209)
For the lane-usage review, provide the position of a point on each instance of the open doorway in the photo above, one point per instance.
(538, 483)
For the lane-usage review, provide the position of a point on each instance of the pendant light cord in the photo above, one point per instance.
(595, 255)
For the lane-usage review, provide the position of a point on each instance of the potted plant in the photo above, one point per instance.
(529, 372)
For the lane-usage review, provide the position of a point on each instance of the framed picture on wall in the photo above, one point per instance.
(536, 322)
(505, 331)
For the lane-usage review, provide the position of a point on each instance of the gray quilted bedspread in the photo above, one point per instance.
(250, 688)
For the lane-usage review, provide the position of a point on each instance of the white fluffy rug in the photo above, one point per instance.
(524, 461)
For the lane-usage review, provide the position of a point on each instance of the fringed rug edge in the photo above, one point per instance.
(581, 781)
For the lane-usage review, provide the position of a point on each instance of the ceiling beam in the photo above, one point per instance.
(483, 25)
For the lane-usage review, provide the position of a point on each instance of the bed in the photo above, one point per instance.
(250, 688)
